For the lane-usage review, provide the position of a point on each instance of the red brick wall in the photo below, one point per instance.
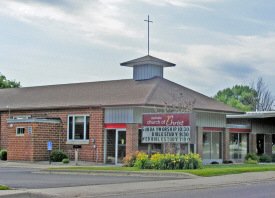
(200, 141)
(35, 145)
(226, 140)
(4, 141)
(268, 144)
(32, 147)
(253, 142)
(131, 138)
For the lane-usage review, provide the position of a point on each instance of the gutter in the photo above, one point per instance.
(104, 106)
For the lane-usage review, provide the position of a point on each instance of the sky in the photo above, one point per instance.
(215, 44)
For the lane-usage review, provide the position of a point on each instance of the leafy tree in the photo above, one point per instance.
(4, 83)
(239, 96)
(247, 98)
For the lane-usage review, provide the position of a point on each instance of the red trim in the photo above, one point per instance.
(115, 126)
(212, 129)
(239, 130)
(119, 126)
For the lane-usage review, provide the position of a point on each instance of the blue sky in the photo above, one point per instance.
(215, 44)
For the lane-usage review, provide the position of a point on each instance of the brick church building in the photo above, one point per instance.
(105, 118)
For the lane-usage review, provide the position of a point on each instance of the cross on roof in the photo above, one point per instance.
(148, 31)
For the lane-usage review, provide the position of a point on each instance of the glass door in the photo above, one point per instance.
(120, 145)
(238, 146)
(260, 144)
(110, 146)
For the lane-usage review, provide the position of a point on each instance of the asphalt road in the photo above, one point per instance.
(24, 178)
(261, 190)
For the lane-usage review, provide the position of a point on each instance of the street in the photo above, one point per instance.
(25, 178)
(37, 185)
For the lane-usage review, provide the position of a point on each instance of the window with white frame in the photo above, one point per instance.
(78, 127)
(20, 131)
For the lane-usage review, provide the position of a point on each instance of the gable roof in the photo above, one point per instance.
(150, 92)
(147, 60)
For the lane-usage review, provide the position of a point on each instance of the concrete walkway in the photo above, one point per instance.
(141, 187)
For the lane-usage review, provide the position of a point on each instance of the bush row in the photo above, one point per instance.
(3, 155)
(162, 161)
(252, 158)
(58, 156)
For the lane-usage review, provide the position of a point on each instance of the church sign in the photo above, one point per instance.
(169, 128)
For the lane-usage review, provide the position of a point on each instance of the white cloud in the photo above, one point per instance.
(182, 3)
(93, 18)
(210, 65)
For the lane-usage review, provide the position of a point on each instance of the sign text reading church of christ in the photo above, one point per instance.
(169, 128)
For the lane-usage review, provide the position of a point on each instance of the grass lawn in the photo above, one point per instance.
(207, 171)
(4, 187)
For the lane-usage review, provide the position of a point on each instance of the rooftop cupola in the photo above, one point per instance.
(147, 67)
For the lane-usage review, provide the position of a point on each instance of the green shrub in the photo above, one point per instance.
(142, 161)
(192, 161)
(130, 159)
(265, 158)
(156, 159)
(250, 161)
(58, 156)
(252, 156)
(170, 161)
(166, 162)
(3, 154)
(66, 161)
(273, 157)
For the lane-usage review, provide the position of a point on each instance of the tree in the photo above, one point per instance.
(176, 104)
(239, 96)
(4, 83)
(247, 98)
(264, 99)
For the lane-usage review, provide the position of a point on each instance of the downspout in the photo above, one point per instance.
(59, 133)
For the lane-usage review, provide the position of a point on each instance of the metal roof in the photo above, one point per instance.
(148, 60)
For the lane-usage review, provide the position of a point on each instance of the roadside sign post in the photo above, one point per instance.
(49, 149)
(76, 147)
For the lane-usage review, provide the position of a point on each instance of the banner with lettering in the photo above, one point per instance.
(169, 128)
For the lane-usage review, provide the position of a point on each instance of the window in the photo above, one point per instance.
(20, 131)
(212, 148)
(238, 145)
(78, 127)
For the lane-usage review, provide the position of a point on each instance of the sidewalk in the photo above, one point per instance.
(45, 164)
(143, 187)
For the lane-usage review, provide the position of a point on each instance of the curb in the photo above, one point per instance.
(120, 173)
